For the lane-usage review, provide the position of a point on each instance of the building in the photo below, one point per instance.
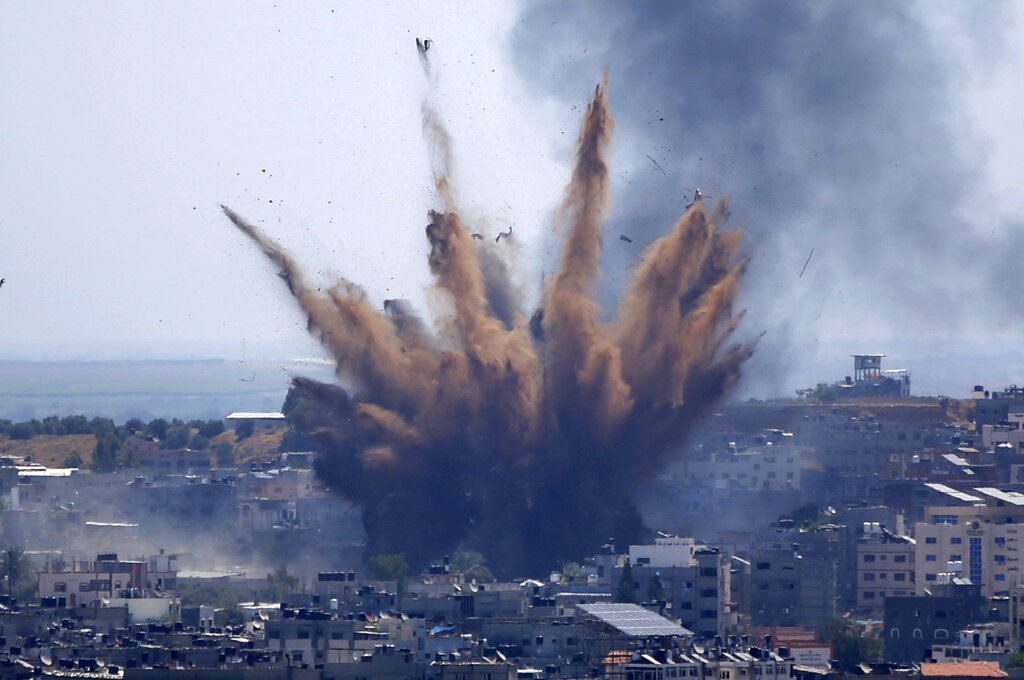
(913, 623)
(885, 566)
(869, 380)
(980, 542)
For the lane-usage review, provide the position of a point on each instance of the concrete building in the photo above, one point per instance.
(979, 542)
(913, 623)
(885, 566)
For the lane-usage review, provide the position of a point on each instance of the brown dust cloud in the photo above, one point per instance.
(522, 436)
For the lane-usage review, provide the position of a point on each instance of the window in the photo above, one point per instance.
(709, 592)
(60, 587)
(1000, 559)
(869, 594)
(764, 565)
(955, 540)
(882, 575)
(899, 576)
(1000, 541)
(956, 557)
(929, 558)
(869, 558)
(83, 587)
(930, 540)
(870, 576)
(1000, 577)
(899, 558)
(929, 577)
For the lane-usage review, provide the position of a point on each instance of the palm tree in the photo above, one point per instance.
(14, 568)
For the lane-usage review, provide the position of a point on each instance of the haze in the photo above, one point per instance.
(883, 137)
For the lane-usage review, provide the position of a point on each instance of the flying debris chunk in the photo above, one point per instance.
(2, 282)
(249, 379)
(422, 46)
(623, 237)
(656, 164)
(806, 262)
(506, 234)
(697, 195)
(478, 236)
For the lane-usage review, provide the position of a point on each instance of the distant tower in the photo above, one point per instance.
(867, 366)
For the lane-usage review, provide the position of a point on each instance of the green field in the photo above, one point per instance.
(147, 389)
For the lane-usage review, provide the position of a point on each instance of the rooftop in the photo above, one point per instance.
(970, 669)
(633, 620)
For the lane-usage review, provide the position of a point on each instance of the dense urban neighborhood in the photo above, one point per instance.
(853, 531)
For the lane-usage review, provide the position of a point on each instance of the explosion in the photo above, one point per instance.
(521, 439)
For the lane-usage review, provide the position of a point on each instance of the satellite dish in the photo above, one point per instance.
(46, 656)
(257, 625)
(102, 663)
(697, 647)
(263, 615)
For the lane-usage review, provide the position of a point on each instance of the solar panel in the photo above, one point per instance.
(633, 620)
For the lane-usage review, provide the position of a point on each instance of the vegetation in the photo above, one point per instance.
(655, 590)
(852, 643)
(825, 393)
(626, 592)
(16, 572)
(101, 445)
(390, 567)
(470, 564)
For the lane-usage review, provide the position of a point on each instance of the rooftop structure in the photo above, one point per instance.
(634, 621)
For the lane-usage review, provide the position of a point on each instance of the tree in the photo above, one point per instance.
(627, 586)
(244, 429)
(176, 437)
(73, 459)
(21, 431)
(14, 568)
(655, 591)
(224, 454)
(470, 564)
(102, 427)
(390, 567)
(851, 644)
(135, 426)
(76, 425)
(157, 428)
(280, 582)
(104, 456)
(210, 428)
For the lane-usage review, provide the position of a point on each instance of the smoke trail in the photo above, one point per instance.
(523, 443)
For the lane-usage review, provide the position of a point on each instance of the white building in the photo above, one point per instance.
(667, 551)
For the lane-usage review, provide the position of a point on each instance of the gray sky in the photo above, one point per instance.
(883, 135)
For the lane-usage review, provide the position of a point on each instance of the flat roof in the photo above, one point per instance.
(968, 669)
(270, 415)
(633, 620)
(953, 493)
(1011, 497)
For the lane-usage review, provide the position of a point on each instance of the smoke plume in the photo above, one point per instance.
(520, 439)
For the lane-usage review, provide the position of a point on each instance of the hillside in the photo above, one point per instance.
(52, 450)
